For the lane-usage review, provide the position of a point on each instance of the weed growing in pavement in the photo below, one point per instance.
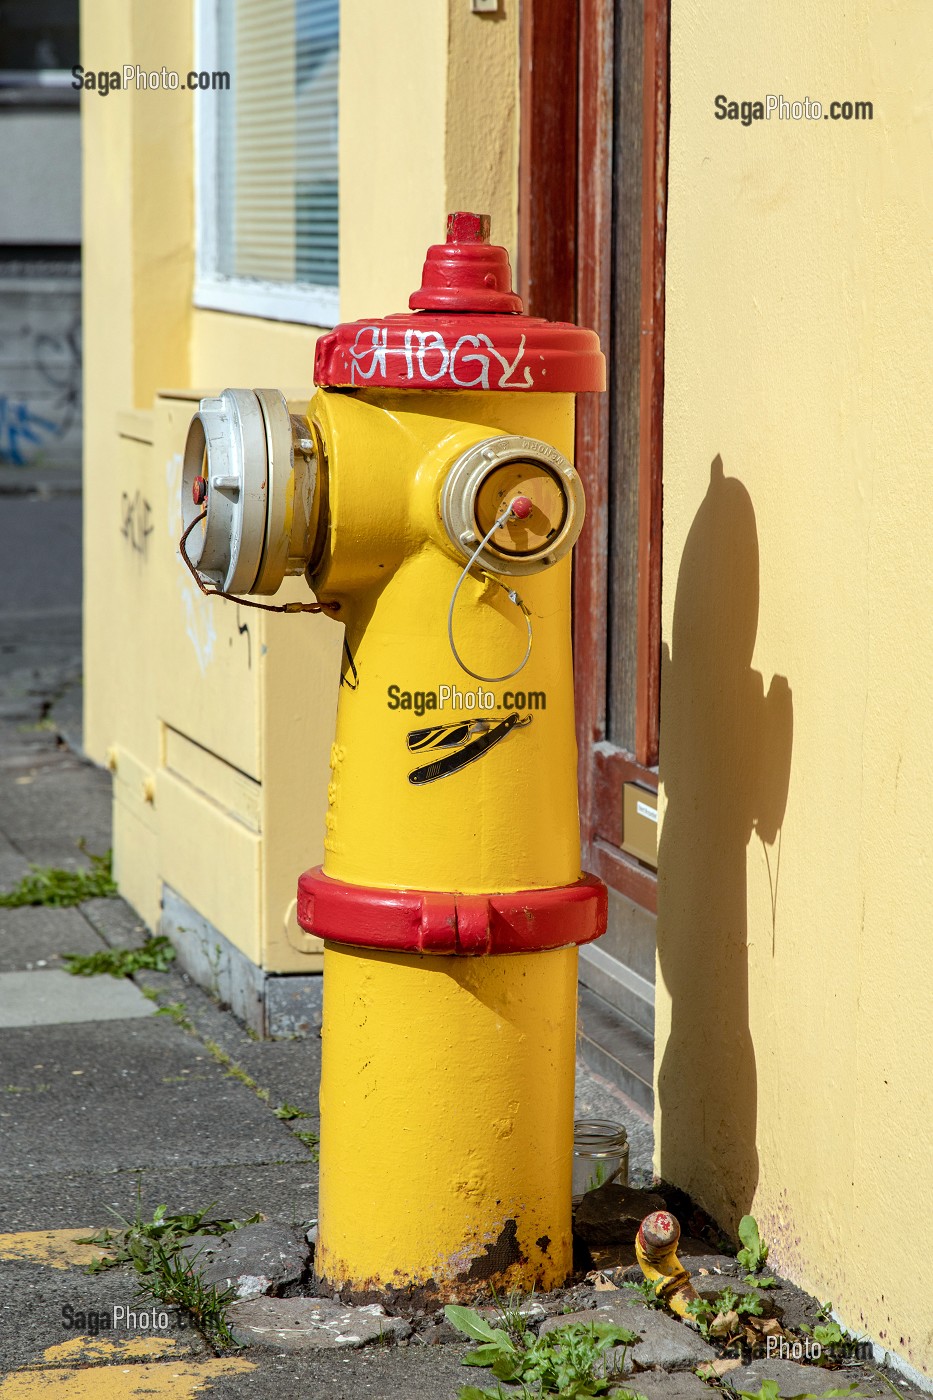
(570, 1363)
(152, 1247)
(155, 955)
(719, 1320)
(235, 1071)
(175, 1010)
(831, 1335)
(647, 1292)
(173, 1279)
(312, 1142)
(288, 1111)
(59, 889)
(754, 1253)
(513, 1320)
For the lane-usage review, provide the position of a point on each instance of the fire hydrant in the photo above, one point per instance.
(430, 500)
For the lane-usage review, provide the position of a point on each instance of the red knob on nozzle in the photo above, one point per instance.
(199, 490)
(522, 507)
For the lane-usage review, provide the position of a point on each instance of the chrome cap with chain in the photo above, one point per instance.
(252, 469)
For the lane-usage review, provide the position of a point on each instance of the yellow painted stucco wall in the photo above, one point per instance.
(794, 1058)
(219, 741)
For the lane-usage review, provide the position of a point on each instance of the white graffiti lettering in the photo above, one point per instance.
(472, 363)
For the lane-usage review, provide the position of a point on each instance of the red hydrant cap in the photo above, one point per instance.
(467, 273)
(465, 331)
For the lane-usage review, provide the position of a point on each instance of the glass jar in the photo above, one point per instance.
(600, 1154)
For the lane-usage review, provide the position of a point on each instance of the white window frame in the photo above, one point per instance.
(271, 301)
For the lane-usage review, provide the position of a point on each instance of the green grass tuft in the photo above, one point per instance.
(60, 889)
(155, 955)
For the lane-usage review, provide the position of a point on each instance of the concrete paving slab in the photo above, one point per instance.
(312, 1324)
(56, 521)
(53, 997)
(795, 1379)
(67, 714)
(664, 1342)
(290, 1070)
(118, 924)
(286, 1192)
(57, 802)
(45, 1307)
(129, 1093)
(662, 1385)
(375, 1373)
(13, 864)
(35, 936)
(260, 1258)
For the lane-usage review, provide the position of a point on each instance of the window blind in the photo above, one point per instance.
(270, 202)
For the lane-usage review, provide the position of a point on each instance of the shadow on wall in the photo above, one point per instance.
(725, 763)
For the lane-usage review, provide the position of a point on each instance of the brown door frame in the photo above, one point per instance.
(565, 252)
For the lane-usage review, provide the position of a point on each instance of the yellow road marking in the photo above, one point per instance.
(100, 1349)
(57, 1248)
(157, 1381)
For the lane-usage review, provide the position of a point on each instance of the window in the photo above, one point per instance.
(267, 159)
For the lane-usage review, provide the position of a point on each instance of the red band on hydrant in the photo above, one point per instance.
(461, 925)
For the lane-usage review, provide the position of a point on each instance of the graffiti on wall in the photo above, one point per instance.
(43, 407)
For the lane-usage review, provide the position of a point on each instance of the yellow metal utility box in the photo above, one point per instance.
(220, 783)
(640, 823)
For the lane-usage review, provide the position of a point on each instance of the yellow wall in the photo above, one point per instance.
(794, 1056)
(238, 753)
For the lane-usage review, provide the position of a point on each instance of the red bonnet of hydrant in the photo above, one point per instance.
(465, 330)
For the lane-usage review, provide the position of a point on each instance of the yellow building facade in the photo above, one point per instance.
(793, 1056)
(218, 730)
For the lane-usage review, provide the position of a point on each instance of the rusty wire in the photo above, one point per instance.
(234, 597)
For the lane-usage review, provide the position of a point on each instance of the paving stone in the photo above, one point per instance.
(796, 1379)
(714, 1264)
(262, 1258)
(115, 921)
(52, 997)
(437, 1334)
(311, 1324)
(665, 1343)
(128, 1093)
(662, 1385)
(795, 1308)
(86, 1199)
(46, 1306)
(36, 936)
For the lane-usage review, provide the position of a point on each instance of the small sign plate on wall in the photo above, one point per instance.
(484, 7)
(640, 823)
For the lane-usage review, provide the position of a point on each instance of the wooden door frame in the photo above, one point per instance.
(565, 252)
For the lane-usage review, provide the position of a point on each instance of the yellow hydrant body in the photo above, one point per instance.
(447, 1082)
(431, 497)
